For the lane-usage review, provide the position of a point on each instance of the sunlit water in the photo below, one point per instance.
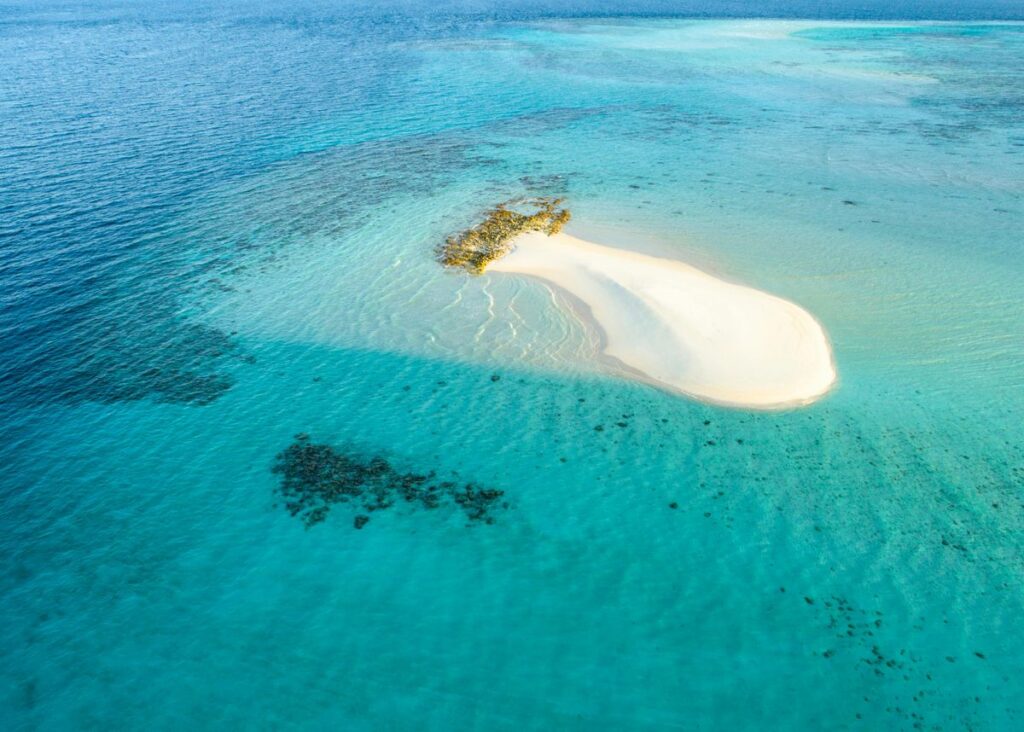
(218, 233)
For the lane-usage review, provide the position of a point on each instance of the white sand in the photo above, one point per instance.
(667, 323)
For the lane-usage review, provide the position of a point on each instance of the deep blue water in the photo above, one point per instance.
(217, 226)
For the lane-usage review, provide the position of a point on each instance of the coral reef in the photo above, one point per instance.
(315, 477)
(473, 249)
(172, 361)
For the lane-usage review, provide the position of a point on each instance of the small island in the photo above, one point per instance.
(661, 321)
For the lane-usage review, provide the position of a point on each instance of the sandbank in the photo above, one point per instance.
(675, 326)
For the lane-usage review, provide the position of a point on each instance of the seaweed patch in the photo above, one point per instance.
(475, 248)
(315, 477)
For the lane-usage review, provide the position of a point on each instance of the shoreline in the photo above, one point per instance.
(671, 325)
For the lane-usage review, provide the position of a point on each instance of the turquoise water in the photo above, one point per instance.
(218, 233)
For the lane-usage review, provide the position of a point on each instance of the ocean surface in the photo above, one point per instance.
(221, 307)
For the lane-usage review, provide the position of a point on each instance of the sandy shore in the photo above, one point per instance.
(665, 322)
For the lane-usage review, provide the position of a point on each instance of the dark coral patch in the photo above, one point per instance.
(315, 477)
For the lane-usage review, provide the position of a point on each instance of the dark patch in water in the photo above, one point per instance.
(315, 477)
(860, 637)
(546, 185)
(181, 370)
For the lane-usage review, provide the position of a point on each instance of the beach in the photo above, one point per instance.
(673, 325)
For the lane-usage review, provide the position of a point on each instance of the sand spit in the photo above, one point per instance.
(670, 324)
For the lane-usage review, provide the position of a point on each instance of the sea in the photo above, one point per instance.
(267, 465)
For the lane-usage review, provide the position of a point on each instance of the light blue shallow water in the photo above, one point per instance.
(217, 233)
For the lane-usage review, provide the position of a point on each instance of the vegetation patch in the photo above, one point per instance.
(316, 477)
(475, 248)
